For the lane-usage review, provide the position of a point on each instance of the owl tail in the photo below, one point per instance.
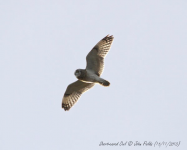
(104, 82)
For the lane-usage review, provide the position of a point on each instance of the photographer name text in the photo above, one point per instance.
(144, 143)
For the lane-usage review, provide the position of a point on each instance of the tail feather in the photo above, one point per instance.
(104, 83)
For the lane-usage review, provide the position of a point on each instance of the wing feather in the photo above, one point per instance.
(95, 58)
(73, 93)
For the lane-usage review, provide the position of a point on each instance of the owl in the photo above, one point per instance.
(88, 77)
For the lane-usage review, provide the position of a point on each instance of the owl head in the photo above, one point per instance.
(78, 72)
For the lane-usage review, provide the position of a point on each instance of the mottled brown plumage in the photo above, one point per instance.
(89, 76)
(95, 58)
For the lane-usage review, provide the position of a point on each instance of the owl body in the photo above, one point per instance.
(89, 76)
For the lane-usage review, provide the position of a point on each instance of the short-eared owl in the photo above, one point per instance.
(89, 76)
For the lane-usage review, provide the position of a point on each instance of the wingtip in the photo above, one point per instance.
(65, 107)
(111, 36)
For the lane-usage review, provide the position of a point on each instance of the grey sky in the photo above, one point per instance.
(42, 43)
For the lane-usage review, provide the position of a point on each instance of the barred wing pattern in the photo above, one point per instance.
(73, 93)
(95, 58)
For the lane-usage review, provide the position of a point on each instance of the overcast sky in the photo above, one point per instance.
(42, 43)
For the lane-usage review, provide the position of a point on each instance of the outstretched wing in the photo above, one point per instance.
(95, 58)
(73, 93)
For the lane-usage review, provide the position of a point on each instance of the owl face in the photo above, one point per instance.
(78, 73)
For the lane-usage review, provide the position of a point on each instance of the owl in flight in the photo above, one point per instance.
(89, 76)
